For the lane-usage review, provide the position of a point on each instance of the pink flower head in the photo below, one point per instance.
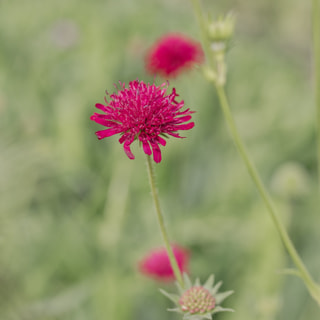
(143, 111)
(172, 54)
(156, 263)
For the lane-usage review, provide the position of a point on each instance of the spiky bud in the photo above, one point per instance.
(197, 300)
(220, 31)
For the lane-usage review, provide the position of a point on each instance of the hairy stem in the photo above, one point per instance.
(163, 230)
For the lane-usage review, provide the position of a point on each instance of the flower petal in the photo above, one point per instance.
(106, 133)
(161, 141)
(101, 107)
(183, 119)
(146, 147)
(127, 150)
(186, 126)
(103, 120)
(156, 152)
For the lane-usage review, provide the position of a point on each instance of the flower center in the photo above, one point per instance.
(197, 300)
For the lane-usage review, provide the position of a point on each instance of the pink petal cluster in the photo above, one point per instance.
(144, 112)
(172, 54)
(156, 263)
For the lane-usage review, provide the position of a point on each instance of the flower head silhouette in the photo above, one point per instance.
(156, 263)
(144, 112)
(172, 54)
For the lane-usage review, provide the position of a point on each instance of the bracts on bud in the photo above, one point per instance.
(196, 301)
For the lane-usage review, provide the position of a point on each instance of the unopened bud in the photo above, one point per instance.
(220, 31)
(197, 299)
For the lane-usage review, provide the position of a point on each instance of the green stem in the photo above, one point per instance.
(313, 288)
(309, 282)
(316, 57)
(164, 233)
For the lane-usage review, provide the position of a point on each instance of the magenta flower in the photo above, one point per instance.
(143, 111)
(172, 54)
(156, 263)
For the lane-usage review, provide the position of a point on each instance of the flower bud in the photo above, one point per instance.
(196, 301)
(221, 31)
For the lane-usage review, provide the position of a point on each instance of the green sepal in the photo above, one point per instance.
(222, 296)
(187, 281)
(209, 283)
(220, 309)
(216, 288)
(180, 289)
(173, 297)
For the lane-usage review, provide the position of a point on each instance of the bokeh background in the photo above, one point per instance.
(76, 214)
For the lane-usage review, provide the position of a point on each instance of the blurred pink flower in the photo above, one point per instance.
(172, 54)
(143, 111)
(156, 263)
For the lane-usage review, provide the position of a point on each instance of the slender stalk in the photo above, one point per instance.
(164, 233)
(312, 286)
(303, 272)
(316, 58)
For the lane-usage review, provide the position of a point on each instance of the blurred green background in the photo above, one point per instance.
(76, 214)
